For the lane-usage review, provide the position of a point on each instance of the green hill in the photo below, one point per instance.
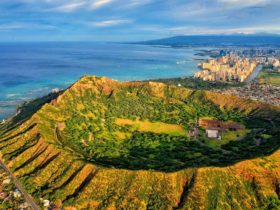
(103, 144)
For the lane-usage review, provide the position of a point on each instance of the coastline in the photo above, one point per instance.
(47, 66)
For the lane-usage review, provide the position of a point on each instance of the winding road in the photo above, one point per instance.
(25, 194)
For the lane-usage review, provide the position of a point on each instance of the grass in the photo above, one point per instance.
(266, 136)
(155, 127)
(122, 135)
(226, 138)
(234, 135)
(207, 118)
(196, 83)
(272, 78)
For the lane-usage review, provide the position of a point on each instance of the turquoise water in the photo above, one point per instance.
(29, 70)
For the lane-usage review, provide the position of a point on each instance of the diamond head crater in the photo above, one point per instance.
(106, 144)
(139, 105)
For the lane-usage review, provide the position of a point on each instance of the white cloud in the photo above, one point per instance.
(108, 23)
(69, 7)
(99, 3)
(197, 10)
(134, 3)
(23, 25)
(244, 3)
(11, 26)
(74, 5)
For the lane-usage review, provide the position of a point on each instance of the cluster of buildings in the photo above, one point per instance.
(214, 128)
(10, 195)
(237, 64)
(272, 62)
(264, 56)
(259, 92)
(227, 68)
(251, 52)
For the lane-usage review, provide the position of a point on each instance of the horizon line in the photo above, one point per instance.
(165, 37)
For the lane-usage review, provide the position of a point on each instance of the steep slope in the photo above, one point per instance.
(98, 145)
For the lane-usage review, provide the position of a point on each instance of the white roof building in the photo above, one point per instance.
(213, 133)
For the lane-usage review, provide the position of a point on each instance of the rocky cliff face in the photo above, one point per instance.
(70, 150)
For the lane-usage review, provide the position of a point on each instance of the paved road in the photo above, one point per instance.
(27, 197)
(254, 74)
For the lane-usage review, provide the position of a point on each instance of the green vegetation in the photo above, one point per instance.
(27, 109)
(105, 144)
(227, 137)
(133, 127)
(196, 83)
(154, 127)
(10, 197)
(267, 76)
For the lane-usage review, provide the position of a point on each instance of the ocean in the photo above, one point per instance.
(30, 70)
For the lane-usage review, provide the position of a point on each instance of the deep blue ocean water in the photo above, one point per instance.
(29, 70)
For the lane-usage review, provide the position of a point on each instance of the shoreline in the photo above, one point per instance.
(204, 85)
(255, 73)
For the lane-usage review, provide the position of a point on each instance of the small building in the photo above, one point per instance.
(24, 205)
(220, 124)
(6, 181)
(193, 132)
(16, 193)
(46, 203)
(233, 126)
(55, 90)
(213, 132)
(209, 123)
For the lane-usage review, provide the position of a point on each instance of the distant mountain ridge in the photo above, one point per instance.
(256, 40)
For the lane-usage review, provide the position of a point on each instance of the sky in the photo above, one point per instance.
(133, 20)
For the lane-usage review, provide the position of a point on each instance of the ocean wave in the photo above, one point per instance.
(12, 95)
(10, 103)
(182, 62)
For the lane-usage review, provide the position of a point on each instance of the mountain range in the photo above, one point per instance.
(243, 40)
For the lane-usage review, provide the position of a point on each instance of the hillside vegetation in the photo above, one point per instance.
(103, 144)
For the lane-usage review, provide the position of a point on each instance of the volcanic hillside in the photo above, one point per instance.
(105, 144)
